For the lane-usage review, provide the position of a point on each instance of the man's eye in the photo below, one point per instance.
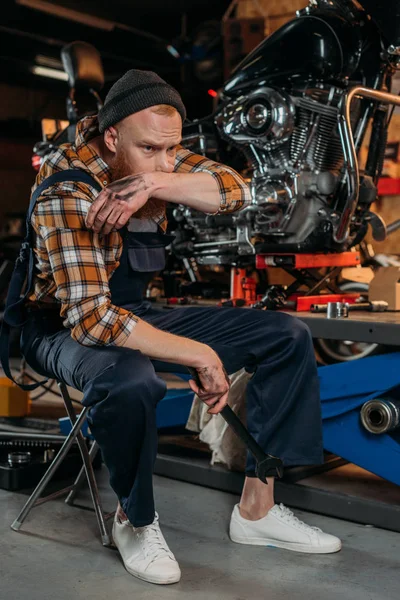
(148, 148)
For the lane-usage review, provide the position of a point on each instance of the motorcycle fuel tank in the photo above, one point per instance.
(310, 47)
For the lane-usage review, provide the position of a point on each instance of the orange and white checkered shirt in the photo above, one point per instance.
(74, 264)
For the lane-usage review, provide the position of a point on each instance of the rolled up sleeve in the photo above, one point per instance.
(233, 190)
(80, 271)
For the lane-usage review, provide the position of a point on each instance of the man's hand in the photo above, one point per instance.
(212, 385)
(117, 202)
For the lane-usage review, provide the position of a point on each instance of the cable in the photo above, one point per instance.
(49, 388)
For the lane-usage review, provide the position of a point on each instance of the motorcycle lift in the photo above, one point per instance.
(345, 389)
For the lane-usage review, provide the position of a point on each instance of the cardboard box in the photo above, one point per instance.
(386, 286)
(14, 402)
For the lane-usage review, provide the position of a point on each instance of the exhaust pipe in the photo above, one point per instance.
(381, 415)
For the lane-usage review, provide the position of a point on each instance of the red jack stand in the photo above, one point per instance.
(243, 289)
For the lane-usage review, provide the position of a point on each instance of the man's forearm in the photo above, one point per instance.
(196, 190)
(161, 345)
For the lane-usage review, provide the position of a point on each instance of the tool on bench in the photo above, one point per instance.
(374, 306)
(266, 464)
(337, 310)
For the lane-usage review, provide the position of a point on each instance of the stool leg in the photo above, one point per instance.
(81, 475)
(94, 492)
(50, 471)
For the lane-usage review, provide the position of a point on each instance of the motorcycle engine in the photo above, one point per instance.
(295, 155)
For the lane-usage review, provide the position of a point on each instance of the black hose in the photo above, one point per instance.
(381, 156)
(377, 146)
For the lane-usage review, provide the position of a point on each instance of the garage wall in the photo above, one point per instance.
(21, 110)
(276, 12)
(16, 175)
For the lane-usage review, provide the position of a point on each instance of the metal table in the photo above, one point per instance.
(378, 328)
(381, 328)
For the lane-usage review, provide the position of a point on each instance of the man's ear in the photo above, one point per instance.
(111, 139)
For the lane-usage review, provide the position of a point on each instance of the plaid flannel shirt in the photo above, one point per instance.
(74, 264)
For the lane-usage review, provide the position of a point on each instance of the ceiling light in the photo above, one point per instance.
(173, 51)
(52, 73)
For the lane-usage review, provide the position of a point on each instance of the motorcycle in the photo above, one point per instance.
(292, 118)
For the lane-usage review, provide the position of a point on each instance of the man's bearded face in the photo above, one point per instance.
(147, 142)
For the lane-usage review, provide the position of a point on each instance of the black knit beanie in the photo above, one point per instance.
(135, 91)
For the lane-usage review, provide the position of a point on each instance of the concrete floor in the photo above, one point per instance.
(57, 555)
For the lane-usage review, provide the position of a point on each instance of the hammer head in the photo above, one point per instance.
(270, 466)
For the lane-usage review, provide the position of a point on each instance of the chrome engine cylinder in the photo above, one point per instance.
(381, 415)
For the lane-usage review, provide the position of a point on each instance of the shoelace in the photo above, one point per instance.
(292, 519)
(153, 542)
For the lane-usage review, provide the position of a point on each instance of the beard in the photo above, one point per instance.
(121, 168)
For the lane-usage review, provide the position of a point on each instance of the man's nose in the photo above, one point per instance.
(165, 163)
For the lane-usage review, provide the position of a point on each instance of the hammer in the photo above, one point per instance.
(266, 464)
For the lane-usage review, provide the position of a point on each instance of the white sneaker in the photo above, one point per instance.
(145, 552)
(282, 529)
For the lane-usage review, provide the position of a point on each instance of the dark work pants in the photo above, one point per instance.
(122, 388)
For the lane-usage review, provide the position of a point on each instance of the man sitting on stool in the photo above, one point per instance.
(95, 257)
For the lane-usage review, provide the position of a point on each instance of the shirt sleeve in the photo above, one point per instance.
(234, 191)
(80, 265)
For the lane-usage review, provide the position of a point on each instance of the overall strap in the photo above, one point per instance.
(14, 314)
(68, 175)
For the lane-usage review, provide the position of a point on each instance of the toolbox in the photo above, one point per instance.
(23, 462)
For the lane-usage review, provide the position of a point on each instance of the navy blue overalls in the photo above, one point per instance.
(122, 387)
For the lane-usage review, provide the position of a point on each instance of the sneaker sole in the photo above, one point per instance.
(305, 549)
(154, 579)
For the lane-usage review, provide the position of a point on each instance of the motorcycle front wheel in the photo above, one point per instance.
(334, 351)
